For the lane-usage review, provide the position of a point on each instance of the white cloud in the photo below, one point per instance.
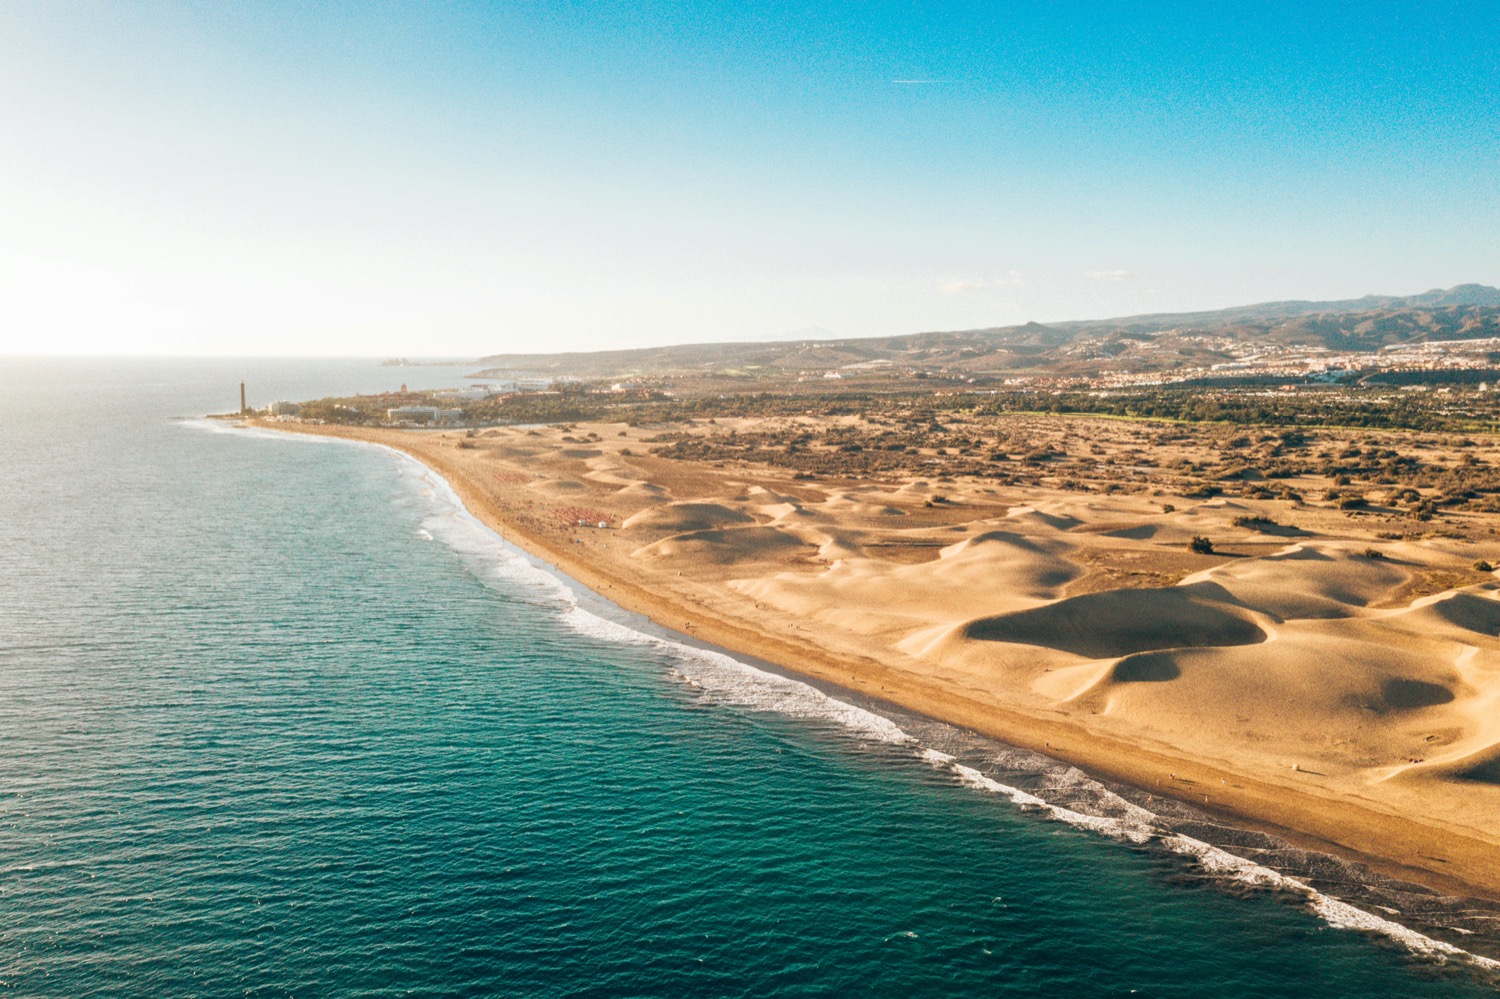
(965, 286)
(961, 286)
(1107, 275)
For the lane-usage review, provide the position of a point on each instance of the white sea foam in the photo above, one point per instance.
(1116, 828)
(726, 680)
(262, 433)
(1221, 863)
(1338, 914)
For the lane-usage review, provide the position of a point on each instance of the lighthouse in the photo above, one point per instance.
(243, 408)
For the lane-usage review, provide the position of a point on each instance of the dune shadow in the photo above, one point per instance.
(1403, 694)
(734, 544)
(1147, 667)
(1470, 612)
(1144, 532)
(1487, 772)
(1283, 531)
(1121, 622)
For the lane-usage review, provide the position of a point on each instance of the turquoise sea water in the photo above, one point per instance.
(277, 719)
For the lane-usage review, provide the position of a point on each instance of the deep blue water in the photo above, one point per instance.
(277, 719)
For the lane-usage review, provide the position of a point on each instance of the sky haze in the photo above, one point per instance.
(467, 178)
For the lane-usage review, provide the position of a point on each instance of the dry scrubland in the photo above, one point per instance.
(1331, 667)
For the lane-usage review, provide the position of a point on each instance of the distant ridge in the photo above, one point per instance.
(1465, 311)
(1437, 298)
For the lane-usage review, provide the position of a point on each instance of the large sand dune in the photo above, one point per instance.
(1306, 580)
(1118, 623)
(678, 517)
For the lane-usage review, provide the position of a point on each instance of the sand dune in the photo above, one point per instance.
(1453, 614)
(638, 492)
(999, 564)
(837, 545)
(1481, 768)
(761, 496)
(1306, 581)
(1137, 532)
(1044, 519)
(1121, 622)
(724, 546)
(792, 513)
(1328, 704)
(851, 507)
(556, 486)
(867, 595)
(687, 517)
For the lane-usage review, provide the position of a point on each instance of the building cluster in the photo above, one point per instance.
(1309, 363)
(422, 414)
(498, 386)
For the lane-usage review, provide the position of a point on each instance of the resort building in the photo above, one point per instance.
(423, 414)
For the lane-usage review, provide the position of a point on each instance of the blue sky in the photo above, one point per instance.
(462, 178)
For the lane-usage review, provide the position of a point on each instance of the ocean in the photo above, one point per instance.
(278, 718)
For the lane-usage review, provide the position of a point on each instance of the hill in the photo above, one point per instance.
(1133, 344)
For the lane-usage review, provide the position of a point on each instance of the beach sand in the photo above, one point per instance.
(1296, 681)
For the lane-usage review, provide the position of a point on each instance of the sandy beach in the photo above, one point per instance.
(1316, 674)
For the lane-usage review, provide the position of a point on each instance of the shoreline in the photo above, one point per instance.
(1336, 826)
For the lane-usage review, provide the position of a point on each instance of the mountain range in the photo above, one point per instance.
(1467, 311)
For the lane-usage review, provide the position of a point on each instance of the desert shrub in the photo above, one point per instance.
(1168, 508)
(1201, 545)
(1374, 553)
(1483, 566)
